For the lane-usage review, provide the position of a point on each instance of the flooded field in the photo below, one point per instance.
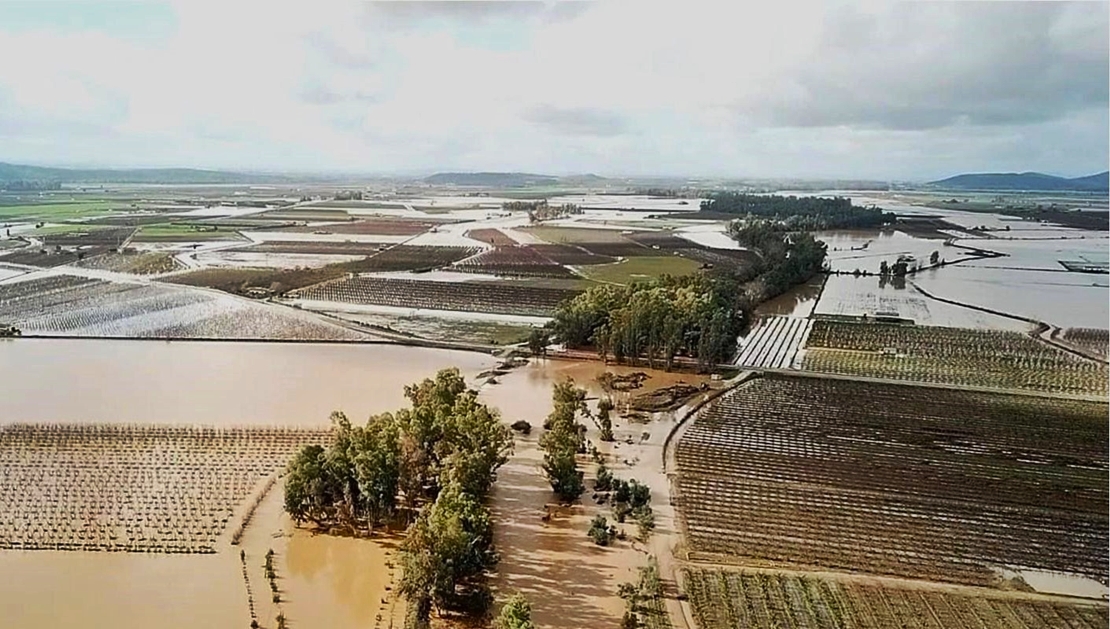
(1059, 298)
(325, 581)
(847, 295)
(214, 383)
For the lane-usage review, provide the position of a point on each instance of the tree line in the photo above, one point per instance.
(30, 185)
(798, 213)
(697, 316)
(431, 466)
(787, 257)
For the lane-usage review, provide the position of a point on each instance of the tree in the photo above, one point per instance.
(600, 531)
(884, 268)
(563, 440)
(538, 340)
(516, 613)
(604, 424)
(445, 551)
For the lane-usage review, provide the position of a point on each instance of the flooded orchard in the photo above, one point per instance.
(337, 582)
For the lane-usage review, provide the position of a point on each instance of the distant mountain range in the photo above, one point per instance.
(1025, 181)
(509, 180)
(19, 172)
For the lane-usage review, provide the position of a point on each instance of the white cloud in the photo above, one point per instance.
(778, 89)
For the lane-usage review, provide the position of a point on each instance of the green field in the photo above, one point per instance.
(573, 235)
(53, 211)
(639, 268)
(185, 232)
(65, 228)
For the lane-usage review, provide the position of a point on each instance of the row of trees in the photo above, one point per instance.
(29, 185)
(697, 316)
(541, 210)
(564, 440)
(787, 257)
(430, 465)
(798, 213)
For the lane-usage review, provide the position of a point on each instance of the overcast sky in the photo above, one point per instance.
(861, 90)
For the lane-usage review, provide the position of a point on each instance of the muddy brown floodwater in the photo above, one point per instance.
(218, 383)
(570, 581)
(323, 581)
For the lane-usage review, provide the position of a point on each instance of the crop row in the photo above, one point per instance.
(897, 479)
(774, 343)
(96, 308)
(489, 297)
(515, 260)
(725, 599)
(949, 355)
(12, 292)
(1094, 341)
(132, 488)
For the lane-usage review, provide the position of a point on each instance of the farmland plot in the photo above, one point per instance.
(774, 343)
(133, 488)
(513, 260)
(725, 599)
(892, 479)
(950, 355)
(1092, 340)
(78, 306)
(491, 297)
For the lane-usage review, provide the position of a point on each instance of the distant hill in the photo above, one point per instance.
(19, 172)
(493, 180)
(1026, 181)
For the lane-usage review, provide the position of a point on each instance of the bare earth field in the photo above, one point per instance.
(900, 480)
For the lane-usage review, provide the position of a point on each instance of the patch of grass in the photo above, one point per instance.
(573, 235)
(639, 269)
(186, 232)
(66, 228)
(53, 211)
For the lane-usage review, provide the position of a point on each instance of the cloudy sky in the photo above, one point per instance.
(864, 90)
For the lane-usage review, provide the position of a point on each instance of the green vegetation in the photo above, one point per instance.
(788, 258)
(53, 211)
(516, 613)
(698, 316)
(563, 441)
(601, 532)
(66, 228)
(186, 231)
(798, 213)
(432, 464)
(639, 268)
(644, 599)
(572, 235)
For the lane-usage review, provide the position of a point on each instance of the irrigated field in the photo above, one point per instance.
(897, 479)
(133, 488)
(774, 343)
(724, 599)
(490, 297)
(951, 356)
